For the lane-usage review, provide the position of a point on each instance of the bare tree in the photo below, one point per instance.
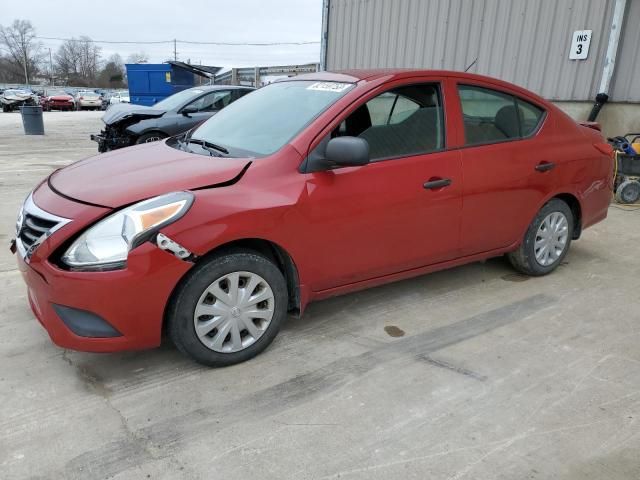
(24, 53)
(138, 57)
(78, 60)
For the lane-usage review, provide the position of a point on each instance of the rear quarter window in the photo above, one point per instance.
(530, 117)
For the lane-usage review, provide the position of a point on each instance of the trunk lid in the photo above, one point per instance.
(128, 175)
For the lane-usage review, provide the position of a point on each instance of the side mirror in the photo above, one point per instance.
(347, 152)
(186, 111)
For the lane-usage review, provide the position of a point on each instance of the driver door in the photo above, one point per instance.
(386, 217)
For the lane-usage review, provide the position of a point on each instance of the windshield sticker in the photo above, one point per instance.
(329, 86)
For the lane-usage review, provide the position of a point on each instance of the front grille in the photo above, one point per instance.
(34, 227)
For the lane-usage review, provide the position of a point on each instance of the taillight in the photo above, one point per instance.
(81, 98)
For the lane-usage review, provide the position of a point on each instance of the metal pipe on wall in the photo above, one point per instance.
(612, 47)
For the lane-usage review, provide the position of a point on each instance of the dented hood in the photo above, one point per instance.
(10, 96)
(127, 175)
(122, 111)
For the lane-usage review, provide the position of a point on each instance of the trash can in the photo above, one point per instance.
(32, 120)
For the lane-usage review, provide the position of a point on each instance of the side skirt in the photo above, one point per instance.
(394, 277)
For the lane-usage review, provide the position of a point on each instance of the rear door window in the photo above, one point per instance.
(490, 116)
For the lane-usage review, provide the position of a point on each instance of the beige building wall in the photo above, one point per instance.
(615, 118)
(525, 42)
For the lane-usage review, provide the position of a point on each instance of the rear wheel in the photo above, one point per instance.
(547, 240)
(150, 137)
(228, 309)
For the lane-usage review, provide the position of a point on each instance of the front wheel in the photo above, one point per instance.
(547, 240)
(228, 309)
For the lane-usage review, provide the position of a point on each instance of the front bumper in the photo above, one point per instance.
(108, 142)
(131, 301)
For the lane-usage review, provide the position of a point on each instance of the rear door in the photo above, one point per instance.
(380, 219)
(503, 160)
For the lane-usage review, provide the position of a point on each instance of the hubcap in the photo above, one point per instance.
(152, 139)
(551, 238)
(234, 312)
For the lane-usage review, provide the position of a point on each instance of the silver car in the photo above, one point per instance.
(127, 124)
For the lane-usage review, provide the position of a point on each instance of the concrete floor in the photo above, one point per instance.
(472, 373)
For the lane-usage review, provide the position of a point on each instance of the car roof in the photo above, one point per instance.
(358, 75)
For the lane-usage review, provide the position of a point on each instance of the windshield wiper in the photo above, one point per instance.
(208, 145)
(185, 139)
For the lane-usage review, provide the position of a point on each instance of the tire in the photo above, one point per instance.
(524, 259)
(197, 295)
(150, 137)
(628, 192)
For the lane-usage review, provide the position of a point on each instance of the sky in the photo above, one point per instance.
(235, 21)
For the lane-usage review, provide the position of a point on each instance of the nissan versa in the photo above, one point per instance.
(310, 187)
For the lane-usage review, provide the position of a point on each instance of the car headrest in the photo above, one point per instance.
(507, 121)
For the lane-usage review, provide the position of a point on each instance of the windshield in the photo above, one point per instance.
(53, 93)
(265, 120)
(177, 99)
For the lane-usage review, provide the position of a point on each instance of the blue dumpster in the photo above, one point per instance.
(151, 82)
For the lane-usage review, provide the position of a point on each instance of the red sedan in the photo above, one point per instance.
(58, 100)
(307, 188)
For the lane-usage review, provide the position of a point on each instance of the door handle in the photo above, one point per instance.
(545, 166)
(438, 183)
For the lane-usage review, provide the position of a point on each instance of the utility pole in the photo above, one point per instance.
(26, 75)
(175, 52)
(51, 70)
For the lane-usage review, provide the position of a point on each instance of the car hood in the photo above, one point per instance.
(16, 96)
(127, 175)
(122, 111)
(61, 97)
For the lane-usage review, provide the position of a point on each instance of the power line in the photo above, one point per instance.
(265, 44)
(106, 41)
(189, 42)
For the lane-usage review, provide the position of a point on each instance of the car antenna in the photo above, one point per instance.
(471, 65)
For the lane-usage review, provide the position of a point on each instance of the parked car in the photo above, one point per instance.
(316, 186)
(119, 97)
(127, 124)
(106, 97)
(12, 99)
(89, 100)
(58, 99)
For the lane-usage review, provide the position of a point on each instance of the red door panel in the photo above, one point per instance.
(503, 190)
(379, 219)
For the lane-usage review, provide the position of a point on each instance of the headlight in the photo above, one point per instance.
(108, 242)
(19, 220)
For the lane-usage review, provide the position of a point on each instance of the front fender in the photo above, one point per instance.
(142, 127)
